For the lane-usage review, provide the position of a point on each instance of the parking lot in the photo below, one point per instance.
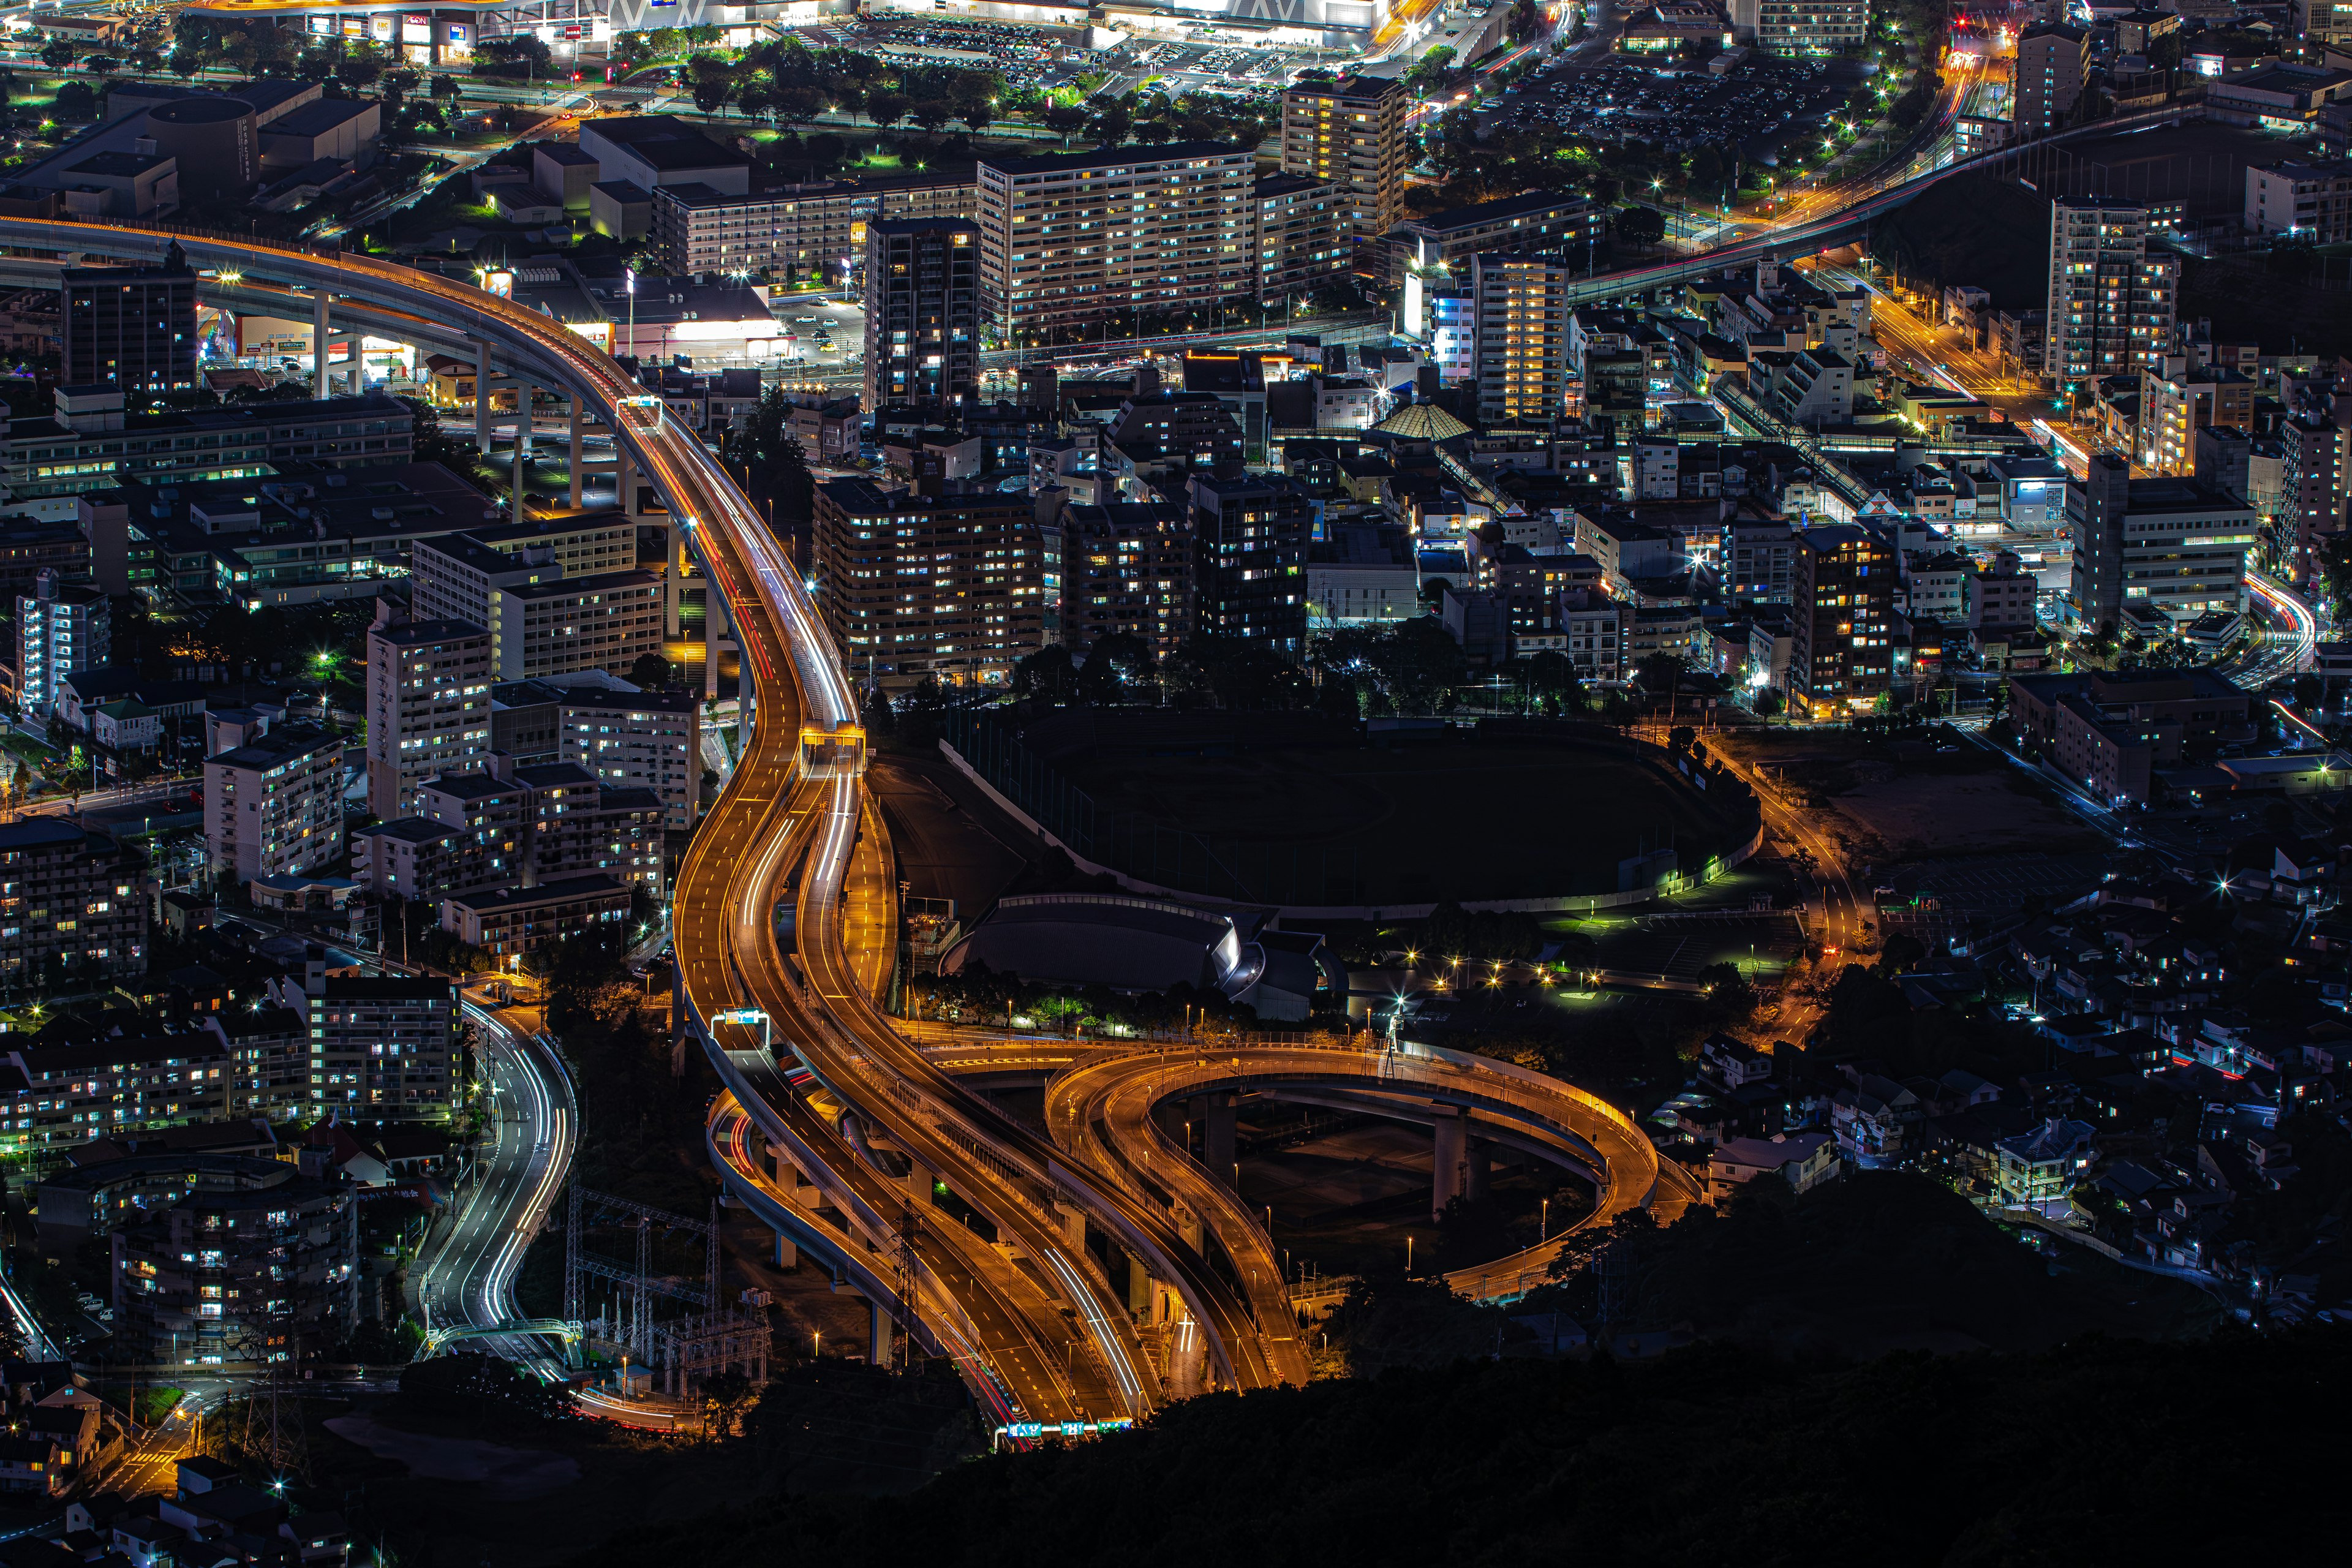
(1756, 103)
(1179, 68)
(1026, 57)
(823, 330)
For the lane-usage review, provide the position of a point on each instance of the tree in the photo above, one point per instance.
(1048, 673)
(1641, 226)
(57, 54)
(653, 673)
(886, 109)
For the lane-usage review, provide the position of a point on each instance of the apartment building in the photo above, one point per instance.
(2303, 201)
(2052, 59)
(88, 442)
(1356, 131)
(69, 903)
(799, 232)
(2174, 545)
(2111, 302)
(1522, 336)
(1760, 561)
(541, 621)
(626, 738)
(1073, 238)
(1842, 657)
(198, 1282)
(1128, 570)
(950, 586)
(922, 314)
(2321, 24)
(502, 824)
(62, 628)
(54, 1097)
(384, 1048)
(1301, 235)
(274, 804)
(508, 921)
(1811, 26)
(428, 706)
(269, 1060)
(2176, 399)
(2315, 476)
(1250, 537)
(1445, 243)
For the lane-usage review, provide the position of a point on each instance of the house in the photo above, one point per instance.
(1805, 1160)
(1731, 1065)
(30, 1466)
(2036, 1170)
(1873, 1118)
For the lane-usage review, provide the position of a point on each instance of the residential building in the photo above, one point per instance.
(428, 706)
(62, 628)
(1804, 1161)
(2111, 302)
(70, 903)
(2321, 24)
(922, 314)
(1522, 337)
(2315, 476)
(507, 826)
(1809, 26)
(650, 151)
(1599, 638)
(1356, 131)
(624, 737)
(1759, 560)
(384, 1048)
(54, 1097)
(274, 803)
(2052, 59)
(1807, 389)
(1128, 570)
(1842, 657)
(2036, 1170)
(1444, 244)
(798, 232)
(2176, 400)
(199, 1282)
(2303, 201)
(90, 443)
(1250, 534)
(1071, 238)
(1302, 235)
(2174, 545)
(269, 1060)
(951, 586)
(2111, 729)
(513, 920)
(541, 621)
(132, 328)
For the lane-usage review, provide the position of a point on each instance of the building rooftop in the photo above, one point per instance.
(1116, 157)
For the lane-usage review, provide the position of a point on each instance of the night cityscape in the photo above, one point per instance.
(970, 781)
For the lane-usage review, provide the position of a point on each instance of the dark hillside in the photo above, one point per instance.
(1972, 229)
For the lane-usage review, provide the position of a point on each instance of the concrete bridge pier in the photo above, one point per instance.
(877, 1339)
(523, 391)
(321, 346)
(1450, 1161)
(1479, 1170)
(578, 452)
(481, 394)
(1170, 1115)
(788, 1252)
(1215, 1112)
(1138, 1289)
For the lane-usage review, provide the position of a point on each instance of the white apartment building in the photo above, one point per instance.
(2111, 302)
(541, 621)
(275, 804)
(1077, 237)
(429, 707)
(61, 627)
(643, 739)
(1522, 336)
(2306, 201)
(1807, 26)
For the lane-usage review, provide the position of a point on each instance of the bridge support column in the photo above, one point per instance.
(522, 445)
(578, 451)
(1480, 1167)
(878, 1340)
(321, 346)
(482, 397)
(1138, 1289)
(787, 1254)
(1215, 1114)
(1171, 1116)
(1449, 1164)
(714, 624)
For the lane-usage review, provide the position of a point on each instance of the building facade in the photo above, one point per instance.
(69, 902)
(385, 1049)
(922, 313)
(1075, 237)
(2171, 545)
(2112, 304)
(275, 804)
(2052, 59)
(62, 628)
(224, 1267)
(1842, 656)
(1522, 337)
(429, 707)
(1250, 538)
(948, 586)
(134, 329)
(1355, 132)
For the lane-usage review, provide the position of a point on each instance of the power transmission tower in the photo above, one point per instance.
(274, 1430)
(904, 1283)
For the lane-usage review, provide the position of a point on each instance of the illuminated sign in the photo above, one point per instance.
(597, 332)
(499, 284)
(1065, 1429)
(355, 26)
(320, 25)
(380, 28)
(458, 35)
(416, 29)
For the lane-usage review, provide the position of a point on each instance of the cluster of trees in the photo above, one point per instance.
(786, 80)
(1117, 668)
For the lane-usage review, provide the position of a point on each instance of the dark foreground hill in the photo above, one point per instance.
(2102, 1452)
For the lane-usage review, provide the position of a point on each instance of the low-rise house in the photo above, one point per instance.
(1803, 1160)
(2036, 1170)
